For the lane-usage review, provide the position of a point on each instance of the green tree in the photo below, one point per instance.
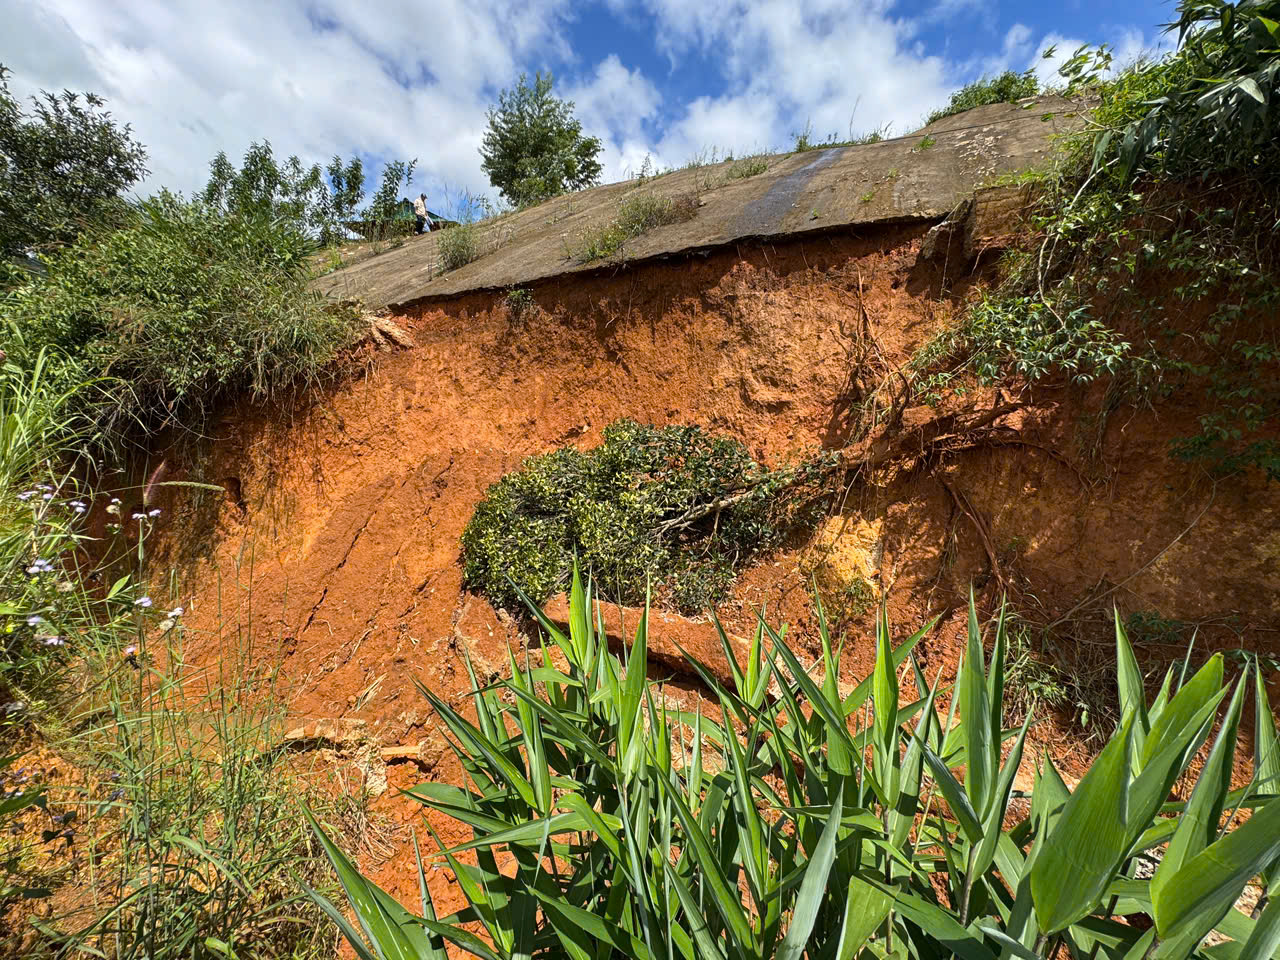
(63, 166)
(347, 183)
(534, 147)
(315, 201)
(382, 207)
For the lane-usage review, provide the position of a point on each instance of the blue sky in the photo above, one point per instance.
(663, 78)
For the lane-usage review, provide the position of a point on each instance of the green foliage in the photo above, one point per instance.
(385, 202)
(638, 213)
(1161, 215)
(189, 811)
(1004, 335)
(41, 520)
(1217, 104)
(534, 148)
(188, 819)
(264, 188)
(63, 166)
(181, 307)
(748, 166)
(669, 507)
(19, 795)
(519, 303)
(459, 245)
(1007, 87)
(803, 822)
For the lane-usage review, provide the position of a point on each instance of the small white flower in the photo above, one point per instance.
(34, 620)
(53, 641)
(139, 516)
(44, 487)
(46, 496)
(39, 566)
(130, 651)
(175, 612)
(142, 602)
(154, 512)
(27, 494)
(115, 499)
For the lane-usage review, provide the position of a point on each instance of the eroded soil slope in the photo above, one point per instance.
(338, 543)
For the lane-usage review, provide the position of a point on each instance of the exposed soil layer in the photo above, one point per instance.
(337, 545)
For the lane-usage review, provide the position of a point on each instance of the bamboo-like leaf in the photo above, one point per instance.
(437, 951)
(940, 924)
(839, 755)
(1071, 873)
(584, 928)
(1204, 888)
(885, 696)
(981, 741)
(348, 932)
(1198, 824)
(1265, 939)
(862, 691)
(723, 894)
(903, 814)
(813, 888)
(1205, 685)
(709, 947)
(995, 676)
(865, 909)
(991, 827)
(388, 926)
(955, 795)
(1133, 695)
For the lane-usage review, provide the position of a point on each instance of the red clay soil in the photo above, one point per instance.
(337, 546)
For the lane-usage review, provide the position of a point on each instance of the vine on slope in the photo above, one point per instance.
(1153, 258)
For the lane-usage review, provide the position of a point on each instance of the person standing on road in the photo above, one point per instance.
(422, 219)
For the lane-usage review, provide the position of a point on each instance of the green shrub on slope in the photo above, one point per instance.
(671, 507)
(183, 306)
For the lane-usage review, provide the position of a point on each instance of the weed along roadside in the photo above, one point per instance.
(855, 550)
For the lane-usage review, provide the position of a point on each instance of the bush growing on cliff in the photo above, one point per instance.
(183, 306)
(1160, 223)
(806, 822)
(671, 507)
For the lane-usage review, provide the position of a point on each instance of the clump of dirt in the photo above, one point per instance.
(339, 551)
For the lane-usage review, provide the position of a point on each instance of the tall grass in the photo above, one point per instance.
(41, 510)
(182, 800)
(189, 813)
(804, 819)
(638, 213)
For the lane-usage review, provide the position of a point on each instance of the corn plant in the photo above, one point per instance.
(794, 819)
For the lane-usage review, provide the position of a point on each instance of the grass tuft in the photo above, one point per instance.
(639, 212)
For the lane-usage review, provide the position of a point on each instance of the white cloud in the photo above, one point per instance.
(315, 78)
(406, 78)
(618, 105)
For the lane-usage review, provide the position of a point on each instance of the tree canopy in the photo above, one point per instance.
(534, 147)
(63, 165)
